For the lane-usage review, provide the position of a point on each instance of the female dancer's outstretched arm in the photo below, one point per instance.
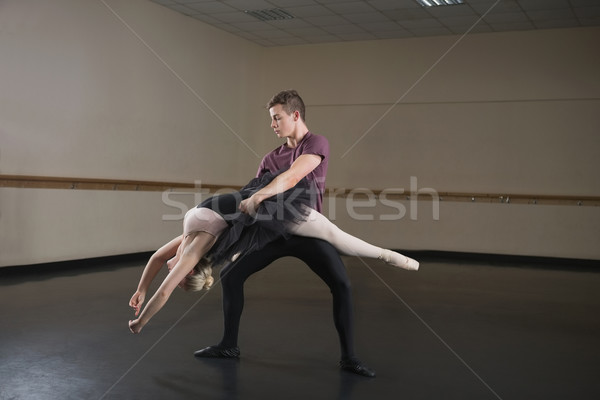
(318, 226)
(157, 260)
(193, 247)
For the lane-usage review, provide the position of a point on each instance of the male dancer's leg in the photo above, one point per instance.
(320, 256)
(324, 260)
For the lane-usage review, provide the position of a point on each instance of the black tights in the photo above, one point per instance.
(319, 255)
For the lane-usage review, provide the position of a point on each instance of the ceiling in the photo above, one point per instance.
(323, 21)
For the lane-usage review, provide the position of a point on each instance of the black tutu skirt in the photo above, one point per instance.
(247, 233)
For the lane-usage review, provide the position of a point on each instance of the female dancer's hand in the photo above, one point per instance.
(135, 326)
(136, 301)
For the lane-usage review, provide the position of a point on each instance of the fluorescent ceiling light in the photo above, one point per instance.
(435, 3)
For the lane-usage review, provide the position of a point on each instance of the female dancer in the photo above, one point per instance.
(207, 233)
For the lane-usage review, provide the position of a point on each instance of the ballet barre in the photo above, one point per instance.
(49, 182)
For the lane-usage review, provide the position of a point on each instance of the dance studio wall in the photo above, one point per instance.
(121, 89)
(495, 113)
(132, 90)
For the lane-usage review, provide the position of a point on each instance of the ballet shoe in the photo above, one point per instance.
(399, 260)
(218, 352)
(353, 365)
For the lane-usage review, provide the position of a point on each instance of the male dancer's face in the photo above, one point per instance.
(282, 123)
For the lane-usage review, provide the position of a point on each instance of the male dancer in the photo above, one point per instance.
(306, 155)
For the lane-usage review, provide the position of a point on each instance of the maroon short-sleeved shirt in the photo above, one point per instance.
(283, 157)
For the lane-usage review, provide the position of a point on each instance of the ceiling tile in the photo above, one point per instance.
(506, 18)
(328, 2)
(248, 35)
(495, 6)
(208, 19)
(352, 7)
(292, 3)
(210, 7)
(309, 11)
(291, 41)
(430, 31)
(587, 12)
(318, 21)
(380, 26)
(290, 23)
(511, 26)
(366, 17)
(307, 32)
(559, 13)
(451, 11)
(421, 24)
(407, 13)
(229, 28)
(384, 5)
(403, 33)
(543, 4)
(343, 29)
(164, 2)
(182, 9)
(592, 21)
(357, 36)
(252, 26)
(327, 20)
(322, 39)
(248, 4)
(236, 16)
(556, 23)
(193, 1)
(272, 34)
(583, 3)
(460, 20)
(461, 30)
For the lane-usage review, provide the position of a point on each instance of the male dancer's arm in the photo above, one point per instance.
(303, 166)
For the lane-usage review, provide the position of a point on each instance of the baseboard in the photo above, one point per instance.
(81, 265)
(117, 261)
(504, 259)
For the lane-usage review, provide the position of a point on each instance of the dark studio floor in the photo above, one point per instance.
(454, 330)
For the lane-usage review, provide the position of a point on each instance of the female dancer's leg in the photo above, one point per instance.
(318, 226)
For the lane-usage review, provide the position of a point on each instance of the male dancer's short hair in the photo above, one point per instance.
(290, 100)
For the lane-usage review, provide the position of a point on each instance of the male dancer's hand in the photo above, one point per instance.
(249, 205)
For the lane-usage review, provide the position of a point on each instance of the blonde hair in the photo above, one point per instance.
(201, 278)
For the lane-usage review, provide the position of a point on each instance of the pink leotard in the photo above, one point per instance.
(203, 220)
